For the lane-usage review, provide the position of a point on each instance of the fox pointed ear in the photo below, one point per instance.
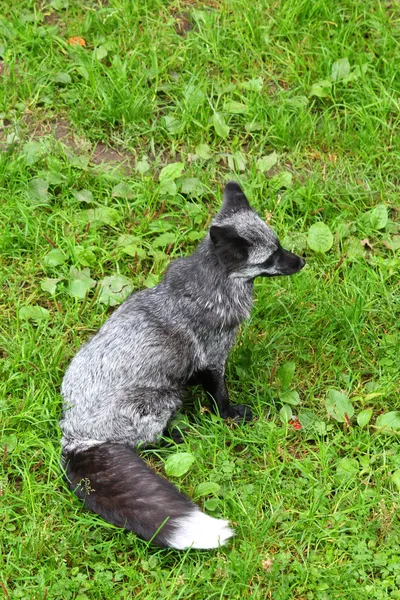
(234, 198)
(230, 247)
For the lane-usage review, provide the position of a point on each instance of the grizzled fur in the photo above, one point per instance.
(125, 384)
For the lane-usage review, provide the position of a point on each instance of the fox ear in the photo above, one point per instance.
(234, 198)
(229, 246)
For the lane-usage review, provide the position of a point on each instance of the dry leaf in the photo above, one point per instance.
(267, 564)
(76, 41)
(366, 243)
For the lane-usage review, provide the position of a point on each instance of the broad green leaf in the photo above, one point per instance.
(38, 190)
(165, 239)
(179, 464)
(339, 406)
(171, 171)
(142, 166)
(62, 77)
(32, 152)
(192, 186)
(84, 256)
(307, 418)
(254, 85)
(320, 427)
(290, 397)
(80, 283)
(33, 313)
(100, 52)
(236, 162)
(193, 236)
(283, 179)
(319, 237)
(364, 417)
(83, 196)
(344, 230)
(59, 4)
(297, 101)
(340, 69)
(321, 89)
(211, 504)
(79, 162)
(134, 250)
(168, 186)
(285, 374)
(378, 217)
(347, 468)
(126, 239)
(253, 126)
(78, 288)
(220, 126)
(207, 488)
(389, 421)
(173, 125)
(10, 441)
(115, 289)
(102, 214)
(394, 243)
(52, 177)
(194, 96)
(265, 163)
(204, 151)
(54, 258)
(354, 248)
(295, 241)
(122, 190)
(235, 108)
(396, 478)
(151, 280)
(285, 414)
(49, 285)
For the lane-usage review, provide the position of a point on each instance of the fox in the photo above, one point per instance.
(126, 383)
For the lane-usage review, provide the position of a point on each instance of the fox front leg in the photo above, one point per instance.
(213, 381)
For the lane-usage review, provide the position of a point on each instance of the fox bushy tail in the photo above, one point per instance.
(114, 482)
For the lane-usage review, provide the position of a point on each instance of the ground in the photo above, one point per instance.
(120, 122)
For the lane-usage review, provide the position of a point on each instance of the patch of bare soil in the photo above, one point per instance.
(101, 154)
(182, 24)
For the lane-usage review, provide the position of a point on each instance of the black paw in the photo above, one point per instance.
(171, 436)
(238, 413)
(176, 436)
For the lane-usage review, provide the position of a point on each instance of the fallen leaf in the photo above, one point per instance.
(366, 243)
(267, 564)
(295, 423)
(76, 40)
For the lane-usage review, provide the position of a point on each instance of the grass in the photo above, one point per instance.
(215, 86)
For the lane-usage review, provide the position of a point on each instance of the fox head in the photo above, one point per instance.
(244, 244)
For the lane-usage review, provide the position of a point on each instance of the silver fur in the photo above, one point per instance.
(126, 383)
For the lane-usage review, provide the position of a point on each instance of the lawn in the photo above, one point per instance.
(120, 122)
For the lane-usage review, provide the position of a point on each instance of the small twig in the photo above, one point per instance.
(5, 590)
(46, 237)
(317, 210)
(336, 267)
(271, 379)
(339, 264)
(33, 365)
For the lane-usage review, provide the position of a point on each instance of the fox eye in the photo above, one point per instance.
(271, 260)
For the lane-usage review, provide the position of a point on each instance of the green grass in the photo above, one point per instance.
(316, 510)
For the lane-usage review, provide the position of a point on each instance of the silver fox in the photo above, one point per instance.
(126, 383)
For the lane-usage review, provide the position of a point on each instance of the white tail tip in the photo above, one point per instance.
(201, 531)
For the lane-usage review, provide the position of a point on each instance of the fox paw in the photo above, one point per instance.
(238, 413)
